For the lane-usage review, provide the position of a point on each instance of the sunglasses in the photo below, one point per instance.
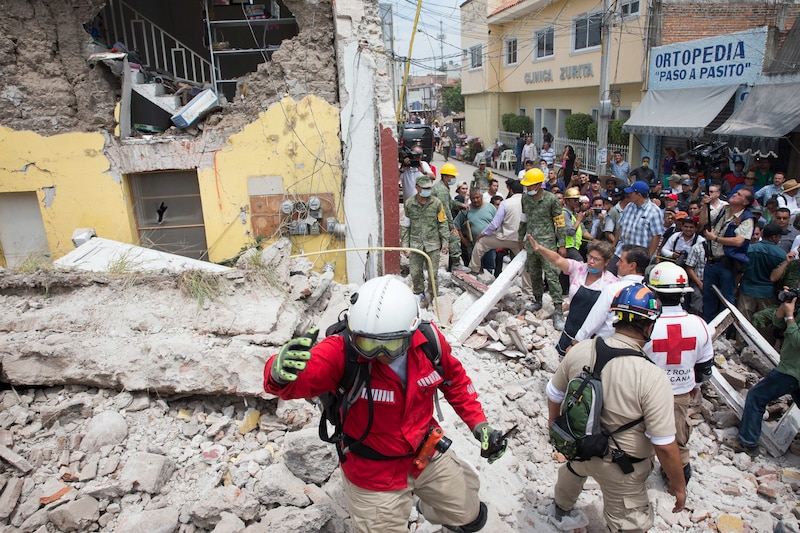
(371, 347)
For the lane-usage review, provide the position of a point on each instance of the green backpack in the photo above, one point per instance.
(577, 432)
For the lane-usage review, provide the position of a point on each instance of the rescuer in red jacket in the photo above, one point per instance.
(383, 472)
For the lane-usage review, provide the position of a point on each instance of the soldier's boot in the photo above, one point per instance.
(558, 318)
(534, 306)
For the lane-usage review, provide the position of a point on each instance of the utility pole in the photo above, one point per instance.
(441, 46)
(605, 109)
(408, 63)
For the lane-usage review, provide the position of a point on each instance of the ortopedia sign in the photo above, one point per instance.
(730, 59)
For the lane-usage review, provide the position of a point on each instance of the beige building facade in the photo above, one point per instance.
(542, 58)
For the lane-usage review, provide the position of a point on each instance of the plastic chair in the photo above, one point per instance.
(507, 158)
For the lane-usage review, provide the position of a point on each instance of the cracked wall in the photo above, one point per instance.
(57, 123)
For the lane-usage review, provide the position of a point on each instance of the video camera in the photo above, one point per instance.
(703, 156)
(789, 295)
(405, 152)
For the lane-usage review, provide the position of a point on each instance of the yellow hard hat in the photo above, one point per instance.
(449, 169)
(532, 177)
(572, 192)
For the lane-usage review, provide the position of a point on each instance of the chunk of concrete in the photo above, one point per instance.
(147, 472)
(151, 521)
(106, 428)
(77, 515)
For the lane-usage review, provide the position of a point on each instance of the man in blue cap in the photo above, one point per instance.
(641, 223)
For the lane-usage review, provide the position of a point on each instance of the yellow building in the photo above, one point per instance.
(541, 58)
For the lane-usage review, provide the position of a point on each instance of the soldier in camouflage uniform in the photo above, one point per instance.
(481, 177)
(425, 228)
(441, 190)
(544, 219)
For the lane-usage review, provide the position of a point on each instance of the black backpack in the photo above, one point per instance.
(355, 382)
(577, 432)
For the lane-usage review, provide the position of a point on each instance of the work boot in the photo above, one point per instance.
(558, 319)
(533, 306)
(462, 267)
(423, 300)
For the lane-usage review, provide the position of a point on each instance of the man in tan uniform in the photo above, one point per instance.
(633, 388)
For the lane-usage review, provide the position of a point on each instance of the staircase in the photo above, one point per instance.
(159, 51)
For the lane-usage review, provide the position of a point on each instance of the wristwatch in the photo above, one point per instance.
(788, 319)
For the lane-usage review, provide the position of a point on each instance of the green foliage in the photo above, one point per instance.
(516, 123)
(34, 263)
(615, 134)
(577, 125)
(591, 132)
(201, 285)
(453, 99)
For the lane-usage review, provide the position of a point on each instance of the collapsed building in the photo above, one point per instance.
(197, 128)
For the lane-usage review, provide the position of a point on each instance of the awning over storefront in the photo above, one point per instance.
(678, 112)
(771, 110)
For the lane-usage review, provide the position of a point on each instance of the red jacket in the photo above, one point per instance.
(402, 415)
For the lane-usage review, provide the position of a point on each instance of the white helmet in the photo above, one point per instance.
(669, 278)
(382, 318)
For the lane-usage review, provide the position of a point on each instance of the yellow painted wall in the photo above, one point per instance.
(298, 141)
(85, 194)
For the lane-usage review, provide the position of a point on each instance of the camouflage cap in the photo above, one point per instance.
(424, 182)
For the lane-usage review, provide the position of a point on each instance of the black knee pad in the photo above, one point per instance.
(478, 523)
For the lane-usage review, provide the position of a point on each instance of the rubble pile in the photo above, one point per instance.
(132, 406)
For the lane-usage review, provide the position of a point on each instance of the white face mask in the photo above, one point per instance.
(451, 182)
(425, 193)
(532, 192)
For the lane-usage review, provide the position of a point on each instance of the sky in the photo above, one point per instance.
(428, 52)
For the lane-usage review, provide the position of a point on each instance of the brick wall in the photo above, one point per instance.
(687, 20)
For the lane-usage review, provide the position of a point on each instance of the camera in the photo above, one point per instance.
(788, 295)
(597, 210)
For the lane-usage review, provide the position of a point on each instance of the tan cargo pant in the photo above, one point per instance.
(625, 503)
(448, 493)
(682, 428)
(490, 242)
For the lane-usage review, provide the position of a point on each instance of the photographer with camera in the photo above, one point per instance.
(784, 379)
(412, 166)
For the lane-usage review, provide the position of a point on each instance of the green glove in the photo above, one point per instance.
(293, 357)
(493, 442)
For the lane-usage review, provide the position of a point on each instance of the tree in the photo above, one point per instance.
(577, 125)
(452, 98)
(516, 123)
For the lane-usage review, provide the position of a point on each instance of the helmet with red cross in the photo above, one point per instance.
(669, 278)
(636, 302)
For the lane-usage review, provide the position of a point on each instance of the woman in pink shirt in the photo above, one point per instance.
(586, 281)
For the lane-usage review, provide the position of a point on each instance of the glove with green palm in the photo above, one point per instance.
(493, 442)
(293, 358)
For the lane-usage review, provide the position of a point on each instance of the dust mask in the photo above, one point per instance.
(425, 193)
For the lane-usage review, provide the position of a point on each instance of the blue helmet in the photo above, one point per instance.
(636, 302)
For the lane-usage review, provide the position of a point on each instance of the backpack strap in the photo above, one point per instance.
(604, 354)
(432, 349)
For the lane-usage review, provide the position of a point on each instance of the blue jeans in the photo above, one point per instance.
(725, 280)
(773, 386)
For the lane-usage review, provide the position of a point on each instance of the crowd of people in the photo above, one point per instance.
(632, 257)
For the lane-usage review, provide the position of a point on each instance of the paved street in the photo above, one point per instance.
(465, 171)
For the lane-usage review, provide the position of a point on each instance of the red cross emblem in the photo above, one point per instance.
(681, 279)
(675, 344)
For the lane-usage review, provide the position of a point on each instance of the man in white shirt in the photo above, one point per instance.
(529, 150)
(549, 155)
(788, 198)
(680, 242)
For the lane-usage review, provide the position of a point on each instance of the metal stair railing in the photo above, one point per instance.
(158, 49)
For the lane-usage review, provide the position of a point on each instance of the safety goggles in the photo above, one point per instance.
(371, 347)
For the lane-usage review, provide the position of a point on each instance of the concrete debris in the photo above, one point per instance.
(135, 409)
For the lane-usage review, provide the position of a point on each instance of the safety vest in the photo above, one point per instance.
(575, 242)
